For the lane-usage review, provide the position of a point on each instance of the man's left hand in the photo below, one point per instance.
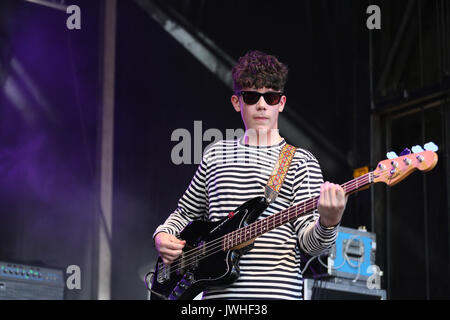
(331, 204)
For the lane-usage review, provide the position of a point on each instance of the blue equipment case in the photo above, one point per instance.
(353, 254)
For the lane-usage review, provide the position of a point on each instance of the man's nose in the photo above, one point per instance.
(261, 104)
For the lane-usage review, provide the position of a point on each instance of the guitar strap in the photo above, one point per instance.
(279, 172)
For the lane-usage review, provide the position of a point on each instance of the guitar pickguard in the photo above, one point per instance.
(210, 266)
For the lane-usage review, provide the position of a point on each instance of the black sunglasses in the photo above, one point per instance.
(252, 97)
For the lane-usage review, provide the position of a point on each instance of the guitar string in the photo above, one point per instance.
(370, 175)
(192, 256)
(216, 243)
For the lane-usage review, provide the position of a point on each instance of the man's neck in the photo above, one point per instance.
(258, 138)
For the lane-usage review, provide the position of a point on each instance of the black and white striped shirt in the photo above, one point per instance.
(232, 173)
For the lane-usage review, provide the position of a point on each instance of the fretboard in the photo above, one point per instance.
(262, 226)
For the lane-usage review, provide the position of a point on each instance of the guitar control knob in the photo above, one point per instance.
(190, 276)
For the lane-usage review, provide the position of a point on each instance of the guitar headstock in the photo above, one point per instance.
(396, 168)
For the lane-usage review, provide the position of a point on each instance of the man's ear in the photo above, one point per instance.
(282, 104)
(235, 103)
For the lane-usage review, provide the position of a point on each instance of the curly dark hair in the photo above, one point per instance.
(257, 70)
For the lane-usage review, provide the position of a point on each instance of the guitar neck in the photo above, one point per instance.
(257, 228)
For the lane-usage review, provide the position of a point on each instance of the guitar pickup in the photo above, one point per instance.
(182, 265)
(189, 261)
(202, 249)
(201, 252)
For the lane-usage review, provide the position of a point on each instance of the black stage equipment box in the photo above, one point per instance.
(340, 289)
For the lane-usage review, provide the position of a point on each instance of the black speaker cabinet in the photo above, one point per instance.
(25, 282)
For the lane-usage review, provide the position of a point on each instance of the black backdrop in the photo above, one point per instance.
(48, 148)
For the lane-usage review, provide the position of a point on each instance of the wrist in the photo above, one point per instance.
(156, 236)
(327, 225)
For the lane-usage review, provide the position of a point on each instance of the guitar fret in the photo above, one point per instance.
(225, 246)
(233, 241)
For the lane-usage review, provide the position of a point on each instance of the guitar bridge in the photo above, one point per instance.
(163, 272)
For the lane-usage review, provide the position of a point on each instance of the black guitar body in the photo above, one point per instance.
(191, 274)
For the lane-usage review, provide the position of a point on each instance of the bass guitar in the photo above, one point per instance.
(211, 255)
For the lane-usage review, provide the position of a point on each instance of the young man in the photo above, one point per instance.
(234, 171)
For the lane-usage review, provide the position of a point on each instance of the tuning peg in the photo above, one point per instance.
(405, 152)
(391, 155)
(417, 149)
(431, 146)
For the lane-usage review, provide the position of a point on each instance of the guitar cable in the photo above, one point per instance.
(347, 259)
(148, 280)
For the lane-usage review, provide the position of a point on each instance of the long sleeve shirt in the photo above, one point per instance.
(230, 174)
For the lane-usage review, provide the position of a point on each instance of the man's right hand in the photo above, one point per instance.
(168, 246)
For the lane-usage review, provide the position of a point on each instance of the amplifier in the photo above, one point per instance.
(26, 282)
(340, 289)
